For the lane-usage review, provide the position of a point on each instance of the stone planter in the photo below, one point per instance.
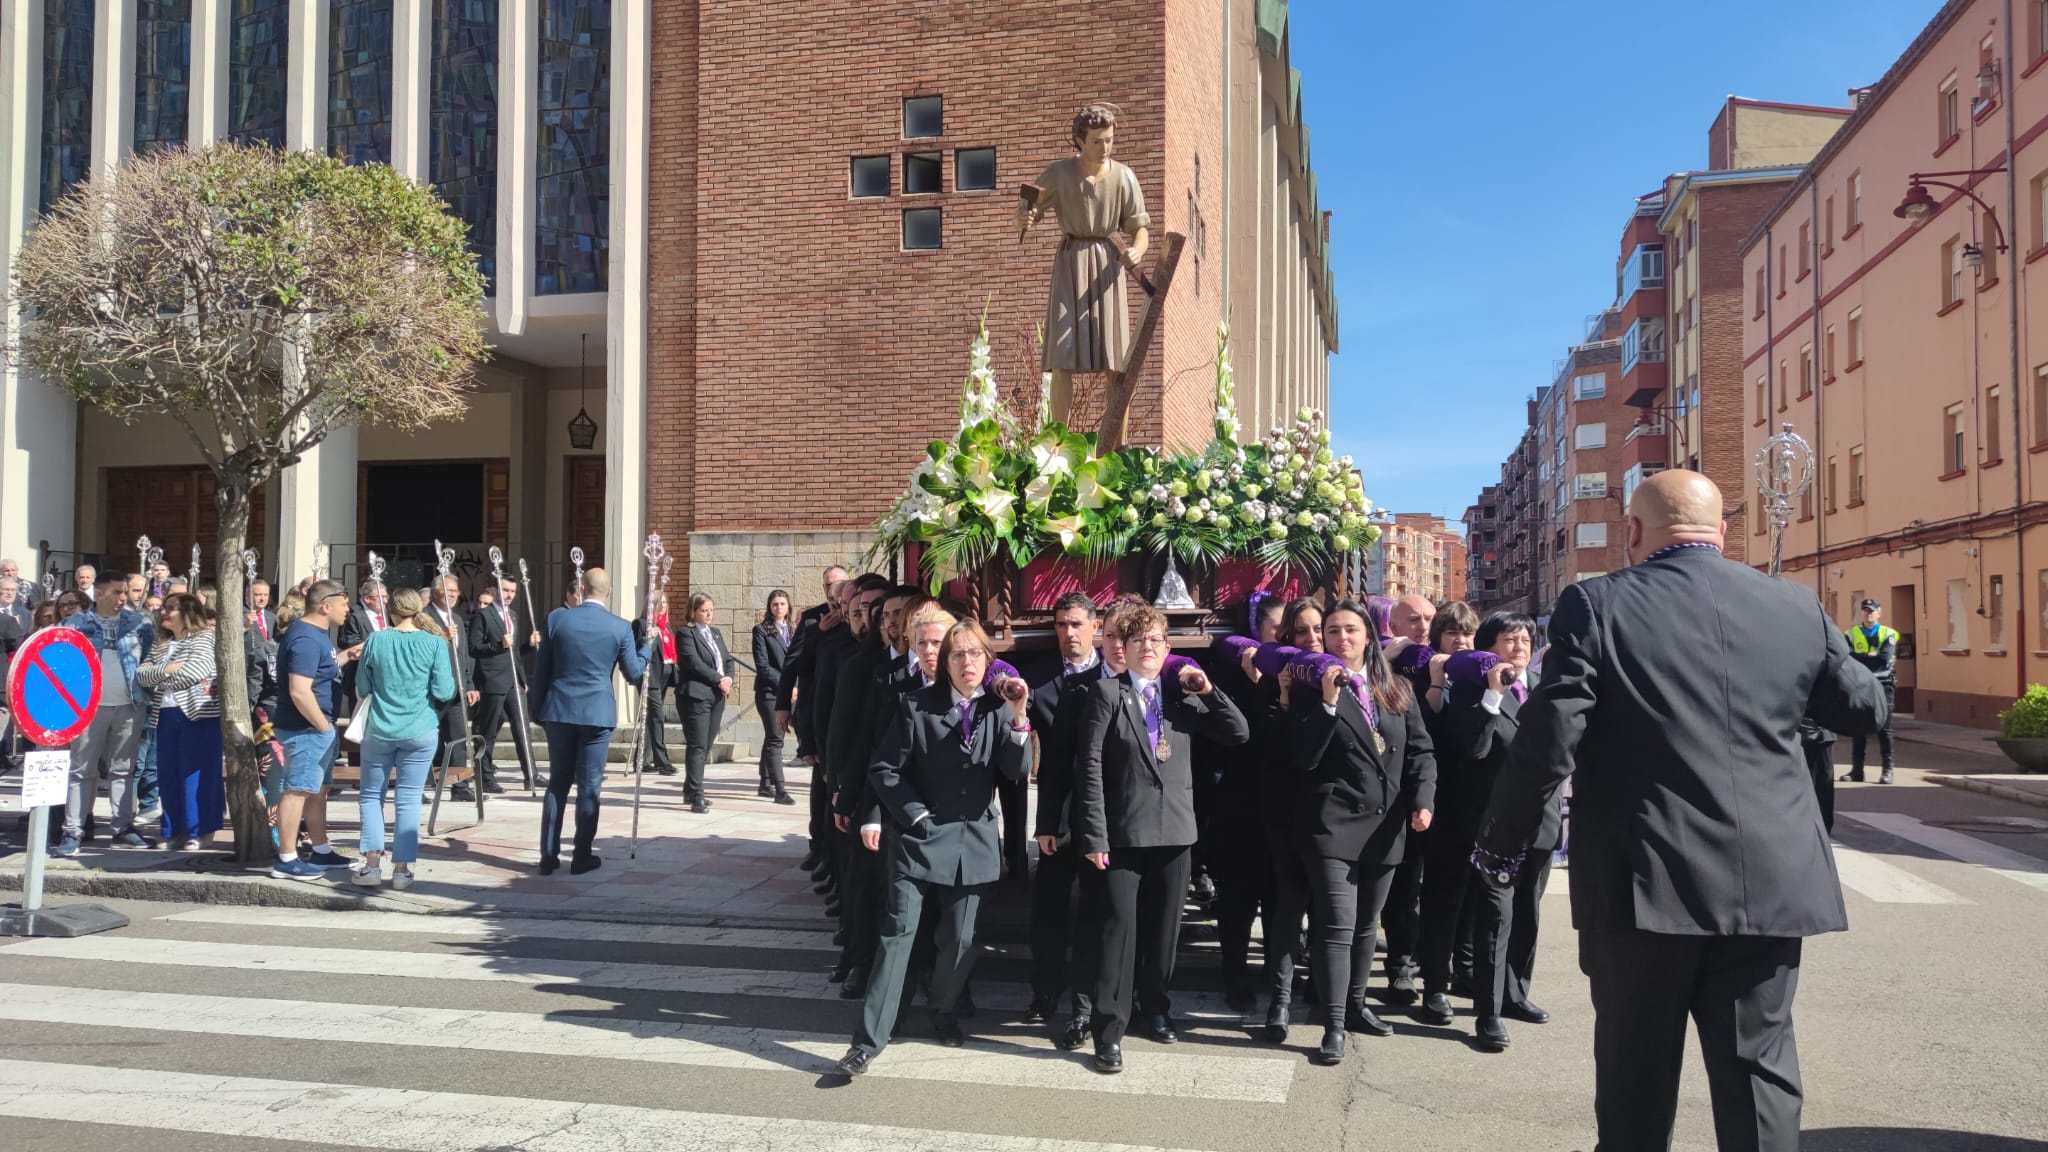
(2029, 752)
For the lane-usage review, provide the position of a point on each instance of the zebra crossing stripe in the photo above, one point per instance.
(2015, 866)
(412, 1120)
(1254, 1079)
(1887, 883)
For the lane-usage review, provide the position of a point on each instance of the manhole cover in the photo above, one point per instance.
(1996, 825)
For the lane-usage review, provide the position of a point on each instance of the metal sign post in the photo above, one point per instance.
(55, 686)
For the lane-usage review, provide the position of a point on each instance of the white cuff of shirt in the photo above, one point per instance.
(1490, 700)
(1329, 708)
(1017, 737)
(867, 828)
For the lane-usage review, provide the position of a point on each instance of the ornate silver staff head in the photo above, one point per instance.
(249, 577)
(576, 558)
(50, 581)
(654, 552)
(667, 563)
(195, 569)
(497, 562)
(142, 547)
(1784, 473)
(319, 560)
(376, 570)
(443, 559)
(524, 578)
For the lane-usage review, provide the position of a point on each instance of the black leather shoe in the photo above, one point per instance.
(548, 864)
(579, 865)
(1359, 1018)
(1492, 1034)
(1401, 989)
(1850, 778)
(1159, 1029)
(1275, 1031)
(856, 985)
(947, 1026)
(1436, 1009)
(811, 862)
(669, 771)
(1109, 1058)
(1204, 889)
(832, 908)
(766, 789)
(1332, 1049)
(462, 792)
(1886, 777)
(1041, 1008)
(784, 798)
(1073, 1035)
(853, 1063)
(825, 886)
(493, 788)
(839, 937)
(839, 973)
(701, 807)
(1526, 1013)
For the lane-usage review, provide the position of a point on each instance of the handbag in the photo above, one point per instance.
(359, 723)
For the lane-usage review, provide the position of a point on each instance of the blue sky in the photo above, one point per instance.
(1481, 160)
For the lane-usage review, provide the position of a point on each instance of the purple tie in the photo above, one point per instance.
(1152, 718)
(1521, 693)
(967, 723)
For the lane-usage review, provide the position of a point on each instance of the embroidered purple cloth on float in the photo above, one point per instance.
(1413, 660)
(1271, 658)
(1469, 667)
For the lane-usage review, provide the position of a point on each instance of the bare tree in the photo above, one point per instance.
(253, 300)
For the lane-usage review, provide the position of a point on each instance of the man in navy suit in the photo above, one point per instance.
(572, 699)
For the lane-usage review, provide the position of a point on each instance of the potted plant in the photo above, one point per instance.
(2023, 730)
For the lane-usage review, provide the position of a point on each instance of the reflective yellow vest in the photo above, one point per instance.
(1859, 641)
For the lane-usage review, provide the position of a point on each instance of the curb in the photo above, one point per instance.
(1992, 788)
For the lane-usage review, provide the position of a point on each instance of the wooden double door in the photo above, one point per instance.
(175, 508)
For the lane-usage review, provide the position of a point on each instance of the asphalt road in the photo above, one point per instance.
(246, 1028)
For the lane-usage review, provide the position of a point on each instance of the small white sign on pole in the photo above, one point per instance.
(45, 775)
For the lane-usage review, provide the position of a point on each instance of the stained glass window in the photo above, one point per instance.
(359, 81)
(573, 213)
(463, 122)
(258, 35)
(163, 72)
(67, 98)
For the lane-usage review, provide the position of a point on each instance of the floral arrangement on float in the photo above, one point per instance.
(999, 491)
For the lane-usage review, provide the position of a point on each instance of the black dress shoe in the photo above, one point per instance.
(784, 798)
(1041, 1008)
(811, 862)
(462, 792)
(1359, 1018)
(832, 907)
(1400, 989)
(853, 1063)
(840, 972)
(1492, 1034)
(1855, 777)
(839, 937)
(1525, 1012)
(668, 771)
(1332, 1049)
(1073, 1035)
(548, 864)
(1204, 889)
(579, 865)
(856, 985)
(1109, 1057)
(1159, 1029)
(766, 789)
(1275, 1031)
(701, 807)
(1436, 1009)
(947, 1027)
(825, 886)
(493, 788)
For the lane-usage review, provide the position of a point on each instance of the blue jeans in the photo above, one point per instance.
(308, 762)
(145, 772)
(575, 755)
(402, 766)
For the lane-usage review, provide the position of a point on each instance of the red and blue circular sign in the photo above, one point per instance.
(55, 686)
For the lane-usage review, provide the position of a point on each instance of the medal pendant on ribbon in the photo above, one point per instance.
(1162, 749)
(1379, 742)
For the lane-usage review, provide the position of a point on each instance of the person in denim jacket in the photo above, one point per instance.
(107, 748)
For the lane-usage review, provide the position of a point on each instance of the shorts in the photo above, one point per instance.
(308, 762)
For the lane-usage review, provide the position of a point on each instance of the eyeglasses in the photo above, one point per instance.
(962, 655)
(1149, 642)
(334, 596)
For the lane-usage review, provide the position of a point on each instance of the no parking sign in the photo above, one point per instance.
(55, 686)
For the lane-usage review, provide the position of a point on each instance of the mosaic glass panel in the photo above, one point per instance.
(573, 193)
(359, 81)
(163, 73)
(462, 143)
(67, 98)
(259, 33)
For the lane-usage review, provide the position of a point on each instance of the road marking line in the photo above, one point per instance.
(2015, 866)
(1255, 1079)
(1887, 883)
(420, 1121)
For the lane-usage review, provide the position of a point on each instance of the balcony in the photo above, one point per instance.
(1647, 444)
(1644, 373)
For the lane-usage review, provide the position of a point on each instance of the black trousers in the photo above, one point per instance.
(1284, 938)
(1348, 896)
(863, 885)
(1884, 735)
(493, 712)
(824, 834)
(1737, 991)
(1061, 957)
(700, 728)
(1015, 796)
(1244, 885)
(1504, 934)
(1820, 765)
(1402, 917)
(1449, 906)
(771, 744)
(1141, 896)
(953, 911)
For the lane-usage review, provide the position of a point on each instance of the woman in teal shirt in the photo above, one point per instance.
(405, 674)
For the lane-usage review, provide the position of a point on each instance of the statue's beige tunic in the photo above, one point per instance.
(1087, 321)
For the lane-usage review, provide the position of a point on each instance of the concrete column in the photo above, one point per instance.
(317, 504)
(306, 61)
(113, 78)
(412, 54)
(518, 136)
(208, 109)
(1265, 374)
(38, 423)
(626, 321)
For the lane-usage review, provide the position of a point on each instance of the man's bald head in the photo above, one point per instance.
(597, 585)
(1674, 507)
(1411, 617)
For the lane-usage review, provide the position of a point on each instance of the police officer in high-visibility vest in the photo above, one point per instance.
(1876, 647)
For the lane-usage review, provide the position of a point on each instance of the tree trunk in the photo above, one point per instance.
(247, 811)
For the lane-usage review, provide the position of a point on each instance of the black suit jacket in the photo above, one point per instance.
(465, 662)
(1674, 690)
(1479, 745)
(833, 648)
(1353, 800)
(353, 631)
(493, 663)
(1124, 795)
(849, 737)
(770, 655)
(924, 768)
(697, 667)
(801, 662)
(1055, 708)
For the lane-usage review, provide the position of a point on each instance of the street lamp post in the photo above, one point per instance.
(1918, 204)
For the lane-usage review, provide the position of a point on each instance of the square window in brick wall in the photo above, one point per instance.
(870, 176)
(923, 228)
(923, 172)
(924, 117)
(974, 170)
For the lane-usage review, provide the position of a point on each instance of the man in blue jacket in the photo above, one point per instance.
(572, 698)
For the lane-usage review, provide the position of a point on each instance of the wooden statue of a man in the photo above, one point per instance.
(1087, 321)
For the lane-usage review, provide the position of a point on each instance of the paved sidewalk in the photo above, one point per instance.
(1949, 737)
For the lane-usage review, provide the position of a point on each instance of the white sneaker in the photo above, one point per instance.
(401, 880)
(364, 877)
(191, 846)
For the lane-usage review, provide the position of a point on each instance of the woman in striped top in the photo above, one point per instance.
(180, 672)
